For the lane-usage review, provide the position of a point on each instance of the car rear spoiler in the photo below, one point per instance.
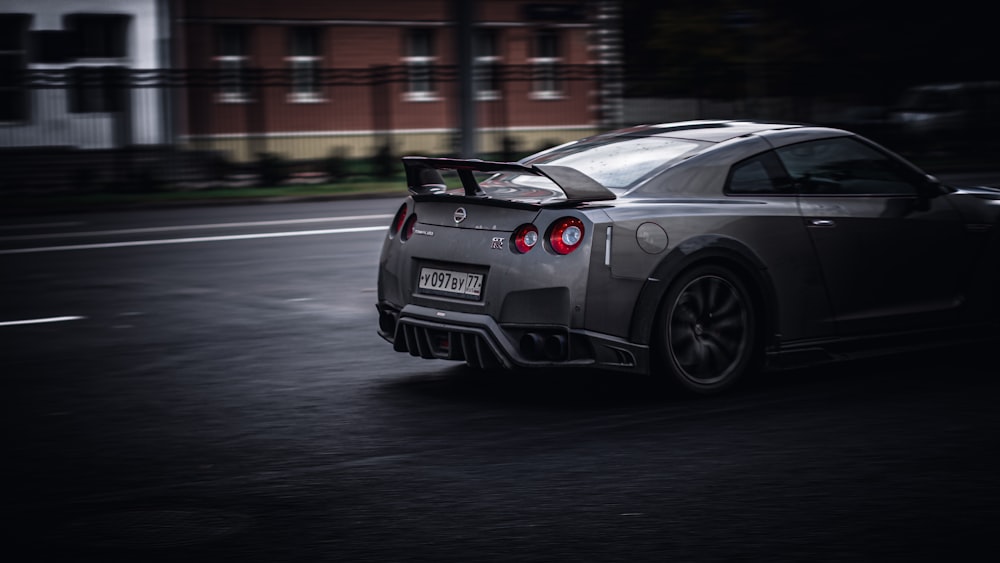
(422, 177)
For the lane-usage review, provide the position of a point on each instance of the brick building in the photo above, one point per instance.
(301, 78)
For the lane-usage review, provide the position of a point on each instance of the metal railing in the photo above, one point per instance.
(232, 120)
(90, 127)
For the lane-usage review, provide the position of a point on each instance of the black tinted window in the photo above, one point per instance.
(845, 166)
(751, 177)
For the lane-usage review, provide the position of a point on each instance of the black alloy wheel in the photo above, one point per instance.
(707, 329)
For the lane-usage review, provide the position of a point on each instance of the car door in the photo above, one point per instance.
(891, 257)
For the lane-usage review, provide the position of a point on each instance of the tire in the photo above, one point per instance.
(706, 337)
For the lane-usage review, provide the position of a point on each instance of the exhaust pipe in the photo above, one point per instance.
(532, 345)
(555, 347)
(551, 347)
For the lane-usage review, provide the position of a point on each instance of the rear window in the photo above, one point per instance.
(615, 163)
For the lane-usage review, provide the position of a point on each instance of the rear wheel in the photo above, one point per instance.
(706, 338)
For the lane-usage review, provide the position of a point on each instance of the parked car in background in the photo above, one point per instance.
(696, 252)
(946, 114)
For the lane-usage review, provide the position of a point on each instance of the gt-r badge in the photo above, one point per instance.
(497, 243)
(460, 215)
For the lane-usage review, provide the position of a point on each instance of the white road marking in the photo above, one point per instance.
(40, 321)
(192, 227)
(190, 240)
(42, 225)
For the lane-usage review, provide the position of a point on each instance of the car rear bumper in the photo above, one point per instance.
(483, 343)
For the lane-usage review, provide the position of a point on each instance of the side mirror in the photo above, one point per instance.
(927, 190)
(931, 187)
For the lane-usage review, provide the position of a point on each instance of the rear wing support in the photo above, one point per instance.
(422, 177)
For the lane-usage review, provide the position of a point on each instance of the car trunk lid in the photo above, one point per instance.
(467, 213)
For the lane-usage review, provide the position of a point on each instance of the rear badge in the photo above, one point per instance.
(497, 243)
(460, 215)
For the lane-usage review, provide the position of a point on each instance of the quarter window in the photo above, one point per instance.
(762, 174)
(752, 178)
(845, 166)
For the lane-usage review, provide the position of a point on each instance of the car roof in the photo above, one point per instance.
(713, 131)
(951, 86)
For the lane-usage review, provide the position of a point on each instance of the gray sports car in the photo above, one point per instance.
(696, 252)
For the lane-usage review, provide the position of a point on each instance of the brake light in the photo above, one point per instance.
(407, 231)
(566, 234)
(397, 220)
(525, 238)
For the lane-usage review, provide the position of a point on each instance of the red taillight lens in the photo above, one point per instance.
(407, 231)
(525, 238)
(566, 234)
(397, 221)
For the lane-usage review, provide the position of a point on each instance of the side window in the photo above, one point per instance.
(758, 175)
(845, 166)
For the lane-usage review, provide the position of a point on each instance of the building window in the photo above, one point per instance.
(231, 60)
(487, 63)
(96, 89)
(304, 60)
(419, 62)
(546, 56)
(99, 36)
(52, 46)
(13, 63)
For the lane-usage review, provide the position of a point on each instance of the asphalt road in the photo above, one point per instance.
(207, 385)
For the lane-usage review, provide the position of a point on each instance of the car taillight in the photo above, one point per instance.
(566, 234)
(397, 221)
(407, 231)
(525, 238)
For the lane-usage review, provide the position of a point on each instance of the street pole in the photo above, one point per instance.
(464, 34)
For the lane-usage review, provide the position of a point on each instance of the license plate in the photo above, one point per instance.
(449, 282)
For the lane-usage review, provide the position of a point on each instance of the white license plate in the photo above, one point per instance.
(463, 284)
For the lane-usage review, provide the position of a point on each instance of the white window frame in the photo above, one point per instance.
(545, 84)
(484, 71)
(236, 92)
(313, 93)
(417, 65)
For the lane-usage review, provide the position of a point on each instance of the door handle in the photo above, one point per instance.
(822, 223)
